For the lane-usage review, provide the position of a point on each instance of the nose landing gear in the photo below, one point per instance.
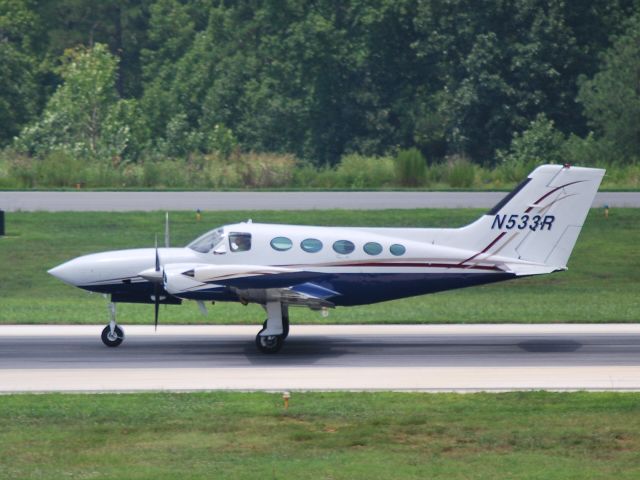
(275, 328)
(112, 334)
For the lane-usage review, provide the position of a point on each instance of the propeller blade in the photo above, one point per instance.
(157, 288)
(156, 294)
(157, 256)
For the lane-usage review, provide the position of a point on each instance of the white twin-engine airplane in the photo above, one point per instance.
(532, 231)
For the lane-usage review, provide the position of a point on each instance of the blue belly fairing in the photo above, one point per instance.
(354, 288)
(366, 288)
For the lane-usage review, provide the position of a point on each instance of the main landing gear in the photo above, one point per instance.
(113, 334)
(275, 328)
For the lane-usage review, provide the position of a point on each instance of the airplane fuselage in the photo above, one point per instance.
(363, 265)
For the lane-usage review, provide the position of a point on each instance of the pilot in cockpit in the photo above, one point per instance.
(240, 242)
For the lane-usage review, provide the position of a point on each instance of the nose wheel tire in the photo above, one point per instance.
(269, 344)
(112, 339)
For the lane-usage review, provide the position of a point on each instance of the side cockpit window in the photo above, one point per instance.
(239, 242)
(207, 242)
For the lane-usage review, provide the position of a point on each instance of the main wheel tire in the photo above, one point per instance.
(269, 344)
(112, 340)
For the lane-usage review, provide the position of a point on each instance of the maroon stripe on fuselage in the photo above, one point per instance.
(396, 264)
(485, 248)
(424, 265)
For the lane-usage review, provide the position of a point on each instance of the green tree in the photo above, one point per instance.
(172, 28)
(84, 115)
(122, 25)
(19, 28)
(18, 91)
(496, 65)
(611, 99)
(539, 143)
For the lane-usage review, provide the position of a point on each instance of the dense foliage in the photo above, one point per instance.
(496, 81)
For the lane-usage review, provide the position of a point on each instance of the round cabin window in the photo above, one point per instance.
(311, 245)
(397, 249)
(281, 244)
(372, 248)
(343, 247)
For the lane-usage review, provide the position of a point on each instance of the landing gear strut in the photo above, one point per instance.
(113, 334)
(275, 328)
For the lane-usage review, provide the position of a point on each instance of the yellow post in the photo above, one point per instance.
(286, 396)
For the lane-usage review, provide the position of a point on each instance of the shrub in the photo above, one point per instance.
(220, 172)
(175, 174)
(102, 174)
(437, 173)
(60, 168)
(589, 151)
(265, 170)
(306, 175)
(165, 172)
(461, 172)
(133, 175)
(6, 179)
(20, 169)
(358, 171)
(622, 176)
(150, 172)
(411, 168)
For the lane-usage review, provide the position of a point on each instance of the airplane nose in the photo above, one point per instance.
(99, 271)
(67, 272)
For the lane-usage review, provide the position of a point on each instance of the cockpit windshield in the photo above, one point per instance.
(208, 241)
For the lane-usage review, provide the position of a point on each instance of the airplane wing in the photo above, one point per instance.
(308, 294)
(251, 282)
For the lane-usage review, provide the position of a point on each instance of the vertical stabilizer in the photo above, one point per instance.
(538, 222)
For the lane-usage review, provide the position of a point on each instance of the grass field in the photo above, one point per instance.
(532, 435)
(602, 284)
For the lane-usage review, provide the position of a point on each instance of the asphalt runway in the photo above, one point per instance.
(379, 357)
(212, 201)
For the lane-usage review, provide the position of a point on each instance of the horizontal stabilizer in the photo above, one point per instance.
(522, 270)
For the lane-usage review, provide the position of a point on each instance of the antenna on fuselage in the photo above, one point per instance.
(166, 230)
(157, 288)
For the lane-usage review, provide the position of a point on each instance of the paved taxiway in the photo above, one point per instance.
(396, 357)
(211, 201)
